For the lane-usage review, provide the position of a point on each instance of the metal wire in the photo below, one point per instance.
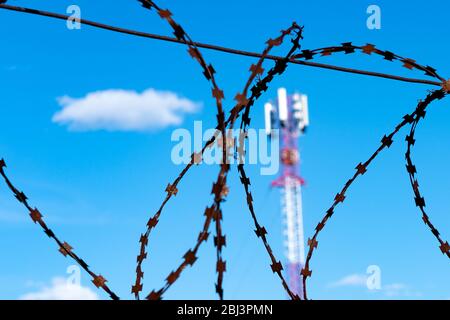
(216, 47)
(256, 84)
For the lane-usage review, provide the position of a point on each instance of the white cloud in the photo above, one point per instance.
(392, 290)
(124, 110)
(399, 290)
(354, 280)
(61, 289)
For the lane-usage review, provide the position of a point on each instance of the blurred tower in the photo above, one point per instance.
(290, 116)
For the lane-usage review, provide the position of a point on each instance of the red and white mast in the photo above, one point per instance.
(291, 118)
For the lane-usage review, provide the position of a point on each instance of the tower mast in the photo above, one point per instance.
(291, 118)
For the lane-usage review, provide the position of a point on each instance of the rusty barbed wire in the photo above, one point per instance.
(411, 169)
(217, 93)
(361, 169)
(214, 47)
(220, 188)
(349, 48)
(64, 248)
(242, 100)
(261, 233)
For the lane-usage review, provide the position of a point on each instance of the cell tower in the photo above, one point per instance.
(291, 118)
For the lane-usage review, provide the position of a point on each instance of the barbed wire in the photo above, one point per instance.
(260, 231)
(256, 70)
(349, 48)
(361, 169)
(220, 189)
(215, 47)
(217, 93)
(411, 168)
(64, 248)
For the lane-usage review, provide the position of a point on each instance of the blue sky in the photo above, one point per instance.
(97, 188)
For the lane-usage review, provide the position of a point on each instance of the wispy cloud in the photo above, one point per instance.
(124, 110)
(396, 290)
(392, 290)
(352, 280)
(61, 289)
